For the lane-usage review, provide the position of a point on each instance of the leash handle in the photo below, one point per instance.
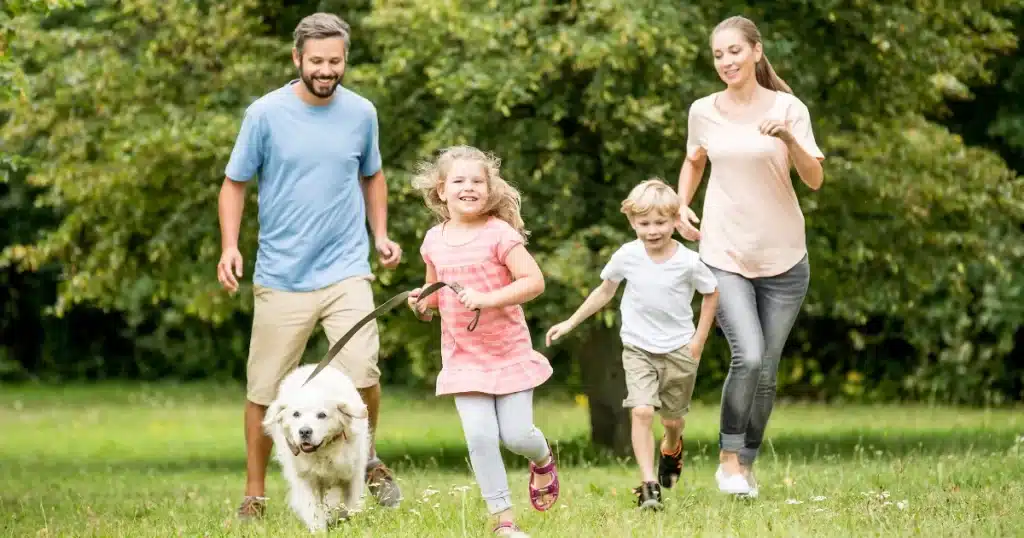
(456, 287)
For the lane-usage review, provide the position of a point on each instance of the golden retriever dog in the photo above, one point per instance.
(321, 439)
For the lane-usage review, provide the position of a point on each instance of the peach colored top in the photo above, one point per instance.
(751, 223)
(497, 357)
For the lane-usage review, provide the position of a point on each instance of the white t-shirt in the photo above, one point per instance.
(656, 313)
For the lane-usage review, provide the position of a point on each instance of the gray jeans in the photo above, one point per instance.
(488, 419)
(756, 316)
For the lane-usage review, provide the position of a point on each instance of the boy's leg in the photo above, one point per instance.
(480, 426)
(642, 399)
(281, 325)
(344, 304)
(679, 374)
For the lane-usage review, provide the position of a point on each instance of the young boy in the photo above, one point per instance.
(661, 347)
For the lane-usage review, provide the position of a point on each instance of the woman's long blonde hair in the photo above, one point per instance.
(503, 200)
(763, 70)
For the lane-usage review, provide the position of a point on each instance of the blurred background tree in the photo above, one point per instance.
(126, 112)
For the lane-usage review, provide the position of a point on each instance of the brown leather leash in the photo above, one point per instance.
(388, 305)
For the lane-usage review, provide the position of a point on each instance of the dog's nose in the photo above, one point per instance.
(305, 431)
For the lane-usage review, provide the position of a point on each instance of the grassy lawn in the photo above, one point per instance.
(163, 461)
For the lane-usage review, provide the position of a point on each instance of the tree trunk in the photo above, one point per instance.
(605, 386)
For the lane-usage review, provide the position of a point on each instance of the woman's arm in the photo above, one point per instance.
(808, 167)
(690, 176)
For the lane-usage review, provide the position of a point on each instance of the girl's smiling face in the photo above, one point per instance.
(465, 190)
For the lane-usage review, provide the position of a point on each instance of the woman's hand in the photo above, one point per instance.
(686, 229)
(778, 129)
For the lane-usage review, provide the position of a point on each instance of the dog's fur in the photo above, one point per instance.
(326, 469)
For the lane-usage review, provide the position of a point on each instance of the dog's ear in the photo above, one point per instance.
(354, 411)
(273, 413)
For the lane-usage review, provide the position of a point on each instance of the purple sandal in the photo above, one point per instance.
(550, 489)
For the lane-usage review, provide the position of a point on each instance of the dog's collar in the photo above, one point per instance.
(340, 434)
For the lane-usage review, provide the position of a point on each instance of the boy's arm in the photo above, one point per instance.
(597, 300)
(708, 307)
(594, 302)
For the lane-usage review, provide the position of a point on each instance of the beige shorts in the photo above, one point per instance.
(663, 381)
(283, 321)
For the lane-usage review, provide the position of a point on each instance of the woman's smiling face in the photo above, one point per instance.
(735, 58)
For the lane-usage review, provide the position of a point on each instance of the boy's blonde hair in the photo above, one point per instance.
(503, 200)
(651, 195)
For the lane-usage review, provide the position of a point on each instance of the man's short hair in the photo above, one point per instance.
(321, 26)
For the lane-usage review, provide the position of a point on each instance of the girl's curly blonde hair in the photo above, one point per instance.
(503, 200)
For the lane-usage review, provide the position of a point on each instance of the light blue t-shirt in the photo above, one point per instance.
(310, 160)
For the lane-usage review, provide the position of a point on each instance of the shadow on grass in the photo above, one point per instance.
(845, 447)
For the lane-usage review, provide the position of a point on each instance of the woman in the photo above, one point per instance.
(752, 236)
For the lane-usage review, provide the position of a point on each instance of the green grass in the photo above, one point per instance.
(164, 461)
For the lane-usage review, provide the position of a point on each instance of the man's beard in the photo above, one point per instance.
(322, 93)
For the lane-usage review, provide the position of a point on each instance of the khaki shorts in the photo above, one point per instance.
(283, 321)
(663, 381)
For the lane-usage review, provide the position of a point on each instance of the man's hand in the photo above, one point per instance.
(229, 269)
(389, 252)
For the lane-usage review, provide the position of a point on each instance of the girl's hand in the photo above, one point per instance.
(558, 331)
(474, 300)
(777, 129)
(420, 308)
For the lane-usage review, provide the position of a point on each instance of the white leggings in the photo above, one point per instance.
(488, 419)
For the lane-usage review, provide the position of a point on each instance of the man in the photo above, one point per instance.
(313, 144)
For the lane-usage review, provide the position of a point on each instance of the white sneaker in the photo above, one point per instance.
(734, 484)
(752, 482)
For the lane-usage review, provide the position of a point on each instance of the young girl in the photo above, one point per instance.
(492, 369)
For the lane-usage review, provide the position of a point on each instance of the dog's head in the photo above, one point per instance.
(308, 424)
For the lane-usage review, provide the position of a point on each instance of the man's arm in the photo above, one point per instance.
(230, 205)
(375, 192)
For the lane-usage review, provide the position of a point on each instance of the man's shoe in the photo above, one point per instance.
(648, 496)
(382, 484)
(252, 507)
(670, 466)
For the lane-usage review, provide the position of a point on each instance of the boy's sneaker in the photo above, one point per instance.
(670, 466)
(648, 496)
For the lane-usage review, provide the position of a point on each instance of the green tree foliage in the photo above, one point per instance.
(991, 112)
(911, 228)
(131, 110)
